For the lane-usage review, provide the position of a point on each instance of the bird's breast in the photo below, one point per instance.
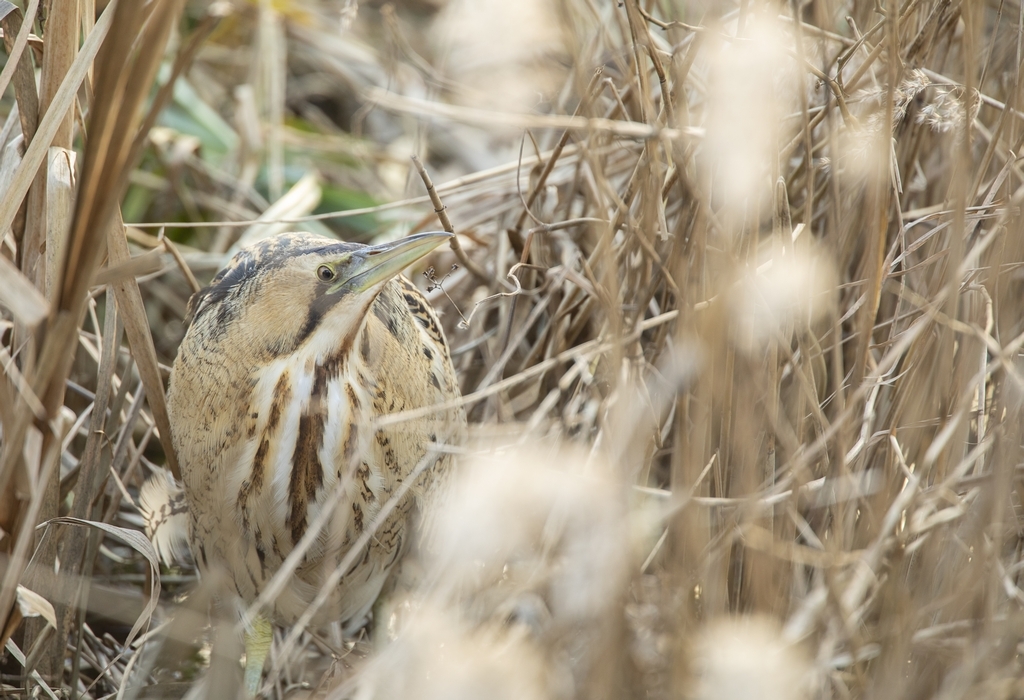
(269, 446)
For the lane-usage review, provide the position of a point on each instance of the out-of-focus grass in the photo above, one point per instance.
(747, 332)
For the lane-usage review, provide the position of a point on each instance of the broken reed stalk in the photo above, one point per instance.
(446, 223)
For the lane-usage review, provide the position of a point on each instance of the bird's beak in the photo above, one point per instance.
(380, 263)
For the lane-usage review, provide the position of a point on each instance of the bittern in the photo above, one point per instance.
(294, 351)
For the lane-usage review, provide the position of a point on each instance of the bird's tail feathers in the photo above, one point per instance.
(165, 510)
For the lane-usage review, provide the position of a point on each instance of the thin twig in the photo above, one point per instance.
(446, 224)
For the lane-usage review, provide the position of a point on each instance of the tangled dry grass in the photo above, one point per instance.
(736, 316)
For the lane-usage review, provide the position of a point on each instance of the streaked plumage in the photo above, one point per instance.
(272, 399)
(165, 516)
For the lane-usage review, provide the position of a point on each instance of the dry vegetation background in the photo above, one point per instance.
(741, 289)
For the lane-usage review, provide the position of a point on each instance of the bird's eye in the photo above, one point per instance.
(324, 273)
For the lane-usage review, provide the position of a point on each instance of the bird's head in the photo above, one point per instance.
(275, 294)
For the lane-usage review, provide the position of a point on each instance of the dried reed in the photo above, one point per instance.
(735, 311)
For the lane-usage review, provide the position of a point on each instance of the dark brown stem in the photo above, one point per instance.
(442, 215)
